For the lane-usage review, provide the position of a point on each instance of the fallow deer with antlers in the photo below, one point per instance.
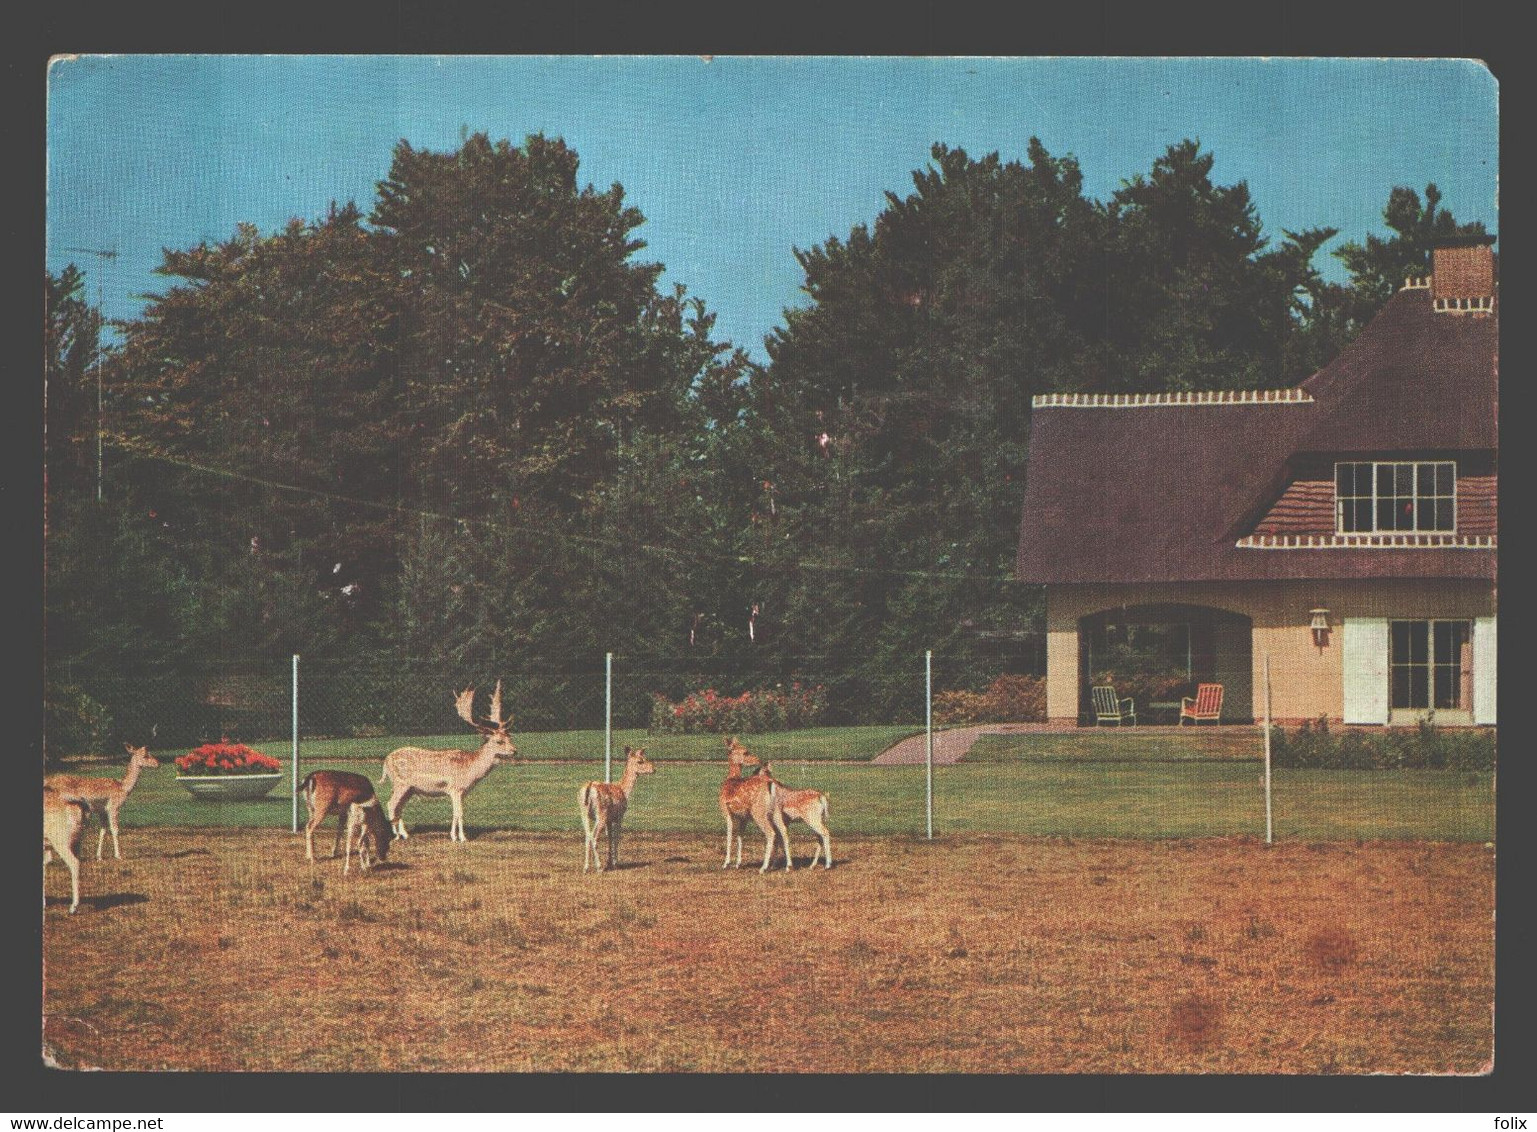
(743, 797)
(809, 806)
(603, 805)
(417, 770)
(104, 796)
(63, 826)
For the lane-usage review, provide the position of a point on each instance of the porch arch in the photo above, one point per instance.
(1162, 650)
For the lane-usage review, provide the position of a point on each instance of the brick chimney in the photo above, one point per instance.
(1462, 276)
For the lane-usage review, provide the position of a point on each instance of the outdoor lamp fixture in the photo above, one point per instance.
(1320, 626)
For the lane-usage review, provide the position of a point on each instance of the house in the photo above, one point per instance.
(1345, 528)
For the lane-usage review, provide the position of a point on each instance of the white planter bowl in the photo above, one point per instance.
(229, 787)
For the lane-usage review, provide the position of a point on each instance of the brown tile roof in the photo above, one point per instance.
(1163, 492)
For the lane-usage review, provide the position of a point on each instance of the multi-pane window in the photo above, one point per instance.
(1429, 664)
(1372, 496)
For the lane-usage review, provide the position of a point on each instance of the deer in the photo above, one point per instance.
(417, 770)
(328, 792)
(809, 806)
(747, 796)
(369, 830)
(104, 796)
(63, 826)
(603, 805)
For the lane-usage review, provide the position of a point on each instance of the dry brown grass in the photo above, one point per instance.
(224, 950)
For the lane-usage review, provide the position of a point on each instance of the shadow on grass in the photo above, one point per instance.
(103, 902)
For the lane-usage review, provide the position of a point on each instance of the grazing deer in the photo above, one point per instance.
(104, 796)
(369, 830)
(63, 825)
(809, 806)
(328, 792)
(416, 770)
(743, 797)
(603, 805)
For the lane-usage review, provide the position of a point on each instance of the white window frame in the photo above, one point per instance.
(1431, 665)
(1375, 465)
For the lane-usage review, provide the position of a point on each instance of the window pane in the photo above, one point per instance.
(1400, 642)
(1385, 516)
(1446, 478)
(1448, 686)
(1403, 479)
(1419, 686)
(1445, 647)
(1401, 687)
(1419, 642)
(1344, 480)
(1425, 515)
(1424, 479)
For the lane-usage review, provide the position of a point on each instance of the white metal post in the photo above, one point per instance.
(608, 717)
(928, 724)
(1268, 830)
(294, 760)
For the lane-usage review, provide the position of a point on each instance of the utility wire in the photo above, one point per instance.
(698, 556)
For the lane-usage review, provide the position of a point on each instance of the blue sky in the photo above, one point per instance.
(734, 161)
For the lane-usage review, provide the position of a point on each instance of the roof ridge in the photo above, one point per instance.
(1294, 395)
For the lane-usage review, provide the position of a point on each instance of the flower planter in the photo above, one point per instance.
(228, 787)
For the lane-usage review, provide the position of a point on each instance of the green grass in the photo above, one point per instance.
(1128, 744)
(852, 744)
(1134, 799)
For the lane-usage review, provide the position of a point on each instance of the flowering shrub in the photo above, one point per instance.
(225, 757)
(1008, 699)
(764, 709)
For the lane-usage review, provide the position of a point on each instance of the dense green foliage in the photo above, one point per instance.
(466, 435)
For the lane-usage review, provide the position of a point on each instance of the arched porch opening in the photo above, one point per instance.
(1157, 654)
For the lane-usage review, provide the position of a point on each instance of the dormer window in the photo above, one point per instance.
(1381, 496)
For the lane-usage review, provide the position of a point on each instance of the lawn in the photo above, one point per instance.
(852, 744)
(224, 950)
(1128, 799)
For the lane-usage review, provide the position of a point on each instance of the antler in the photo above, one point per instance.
(464, 704)
(495, 717)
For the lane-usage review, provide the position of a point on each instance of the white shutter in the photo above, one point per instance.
(1366, 669)
(1484, 650)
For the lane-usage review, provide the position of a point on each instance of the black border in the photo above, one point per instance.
(1278, 27)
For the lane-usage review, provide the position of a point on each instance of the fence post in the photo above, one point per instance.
(608, 717)
(928, 724)
(1268, 828)
(294, 760)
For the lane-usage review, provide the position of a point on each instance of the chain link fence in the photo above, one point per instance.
(864, 737)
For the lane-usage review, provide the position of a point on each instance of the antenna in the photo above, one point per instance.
(103, 253)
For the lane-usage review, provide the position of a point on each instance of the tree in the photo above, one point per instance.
(71, 339)
(1378, 266)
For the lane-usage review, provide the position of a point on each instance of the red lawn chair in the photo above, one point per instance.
(1206, 705)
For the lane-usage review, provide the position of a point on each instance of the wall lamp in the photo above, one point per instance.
(1320, 626)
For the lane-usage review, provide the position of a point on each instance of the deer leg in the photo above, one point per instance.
(456, 827)
(614, 829)
(826, 848)
(72, 860)
(581, 801)
(729, 824)
(397, 802)
(768, 843)
(784, 835)
(112, 818)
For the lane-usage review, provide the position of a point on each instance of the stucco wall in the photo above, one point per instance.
(1306, 681)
